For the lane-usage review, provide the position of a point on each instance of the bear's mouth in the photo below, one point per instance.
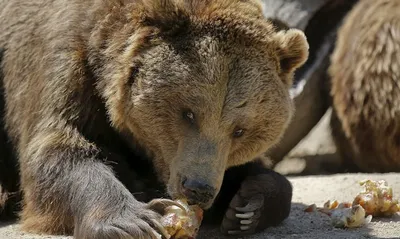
(177, 192)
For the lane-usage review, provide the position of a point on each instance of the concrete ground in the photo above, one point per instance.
(314, 157)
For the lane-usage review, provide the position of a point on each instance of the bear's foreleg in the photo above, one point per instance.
(69, 186)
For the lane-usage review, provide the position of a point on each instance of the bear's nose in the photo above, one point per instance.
(197, 191)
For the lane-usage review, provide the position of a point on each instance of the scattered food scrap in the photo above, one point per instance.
(182, 223)
(353, 216)
(342, 214)
(375, 200)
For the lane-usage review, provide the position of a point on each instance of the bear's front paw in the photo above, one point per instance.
(262, 200)
(242, 216)
(136, 221)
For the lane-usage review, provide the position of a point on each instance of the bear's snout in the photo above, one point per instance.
(197, 191)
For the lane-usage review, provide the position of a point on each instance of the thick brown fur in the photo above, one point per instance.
(365, 74)
(93, 89)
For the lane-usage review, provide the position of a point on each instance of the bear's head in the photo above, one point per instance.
(201, 85)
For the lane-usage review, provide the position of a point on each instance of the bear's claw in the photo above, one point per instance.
(246, 222)
(161, 229)
(160, 204)
(246, 215)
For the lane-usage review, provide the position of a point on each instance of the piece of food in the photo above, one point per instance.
(349, 217)
(311, 208)
(377, 198)
(328, 207)
(182, 222)
(342, 214)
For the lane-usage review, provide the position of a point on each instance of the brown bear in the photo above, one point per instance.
(365, 74)
(111, 104)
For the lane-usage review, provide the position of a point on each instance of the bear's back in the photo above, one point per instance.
(365, 74)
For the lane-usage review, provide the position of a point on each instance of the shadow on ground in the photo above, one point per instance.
(300, 225)
(6, 223)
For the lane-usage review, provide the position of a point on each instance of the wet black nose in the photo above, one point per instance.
(197, 191)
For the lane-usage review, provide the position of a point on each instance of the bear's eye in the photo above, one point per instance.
(238, 133)
(189, 116)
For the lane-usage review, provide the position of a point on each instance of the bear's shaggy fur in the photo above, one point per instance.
(365, 72)
(110, 102)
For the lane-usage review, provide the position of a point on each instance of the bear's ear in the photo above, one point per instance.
(292, 50)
